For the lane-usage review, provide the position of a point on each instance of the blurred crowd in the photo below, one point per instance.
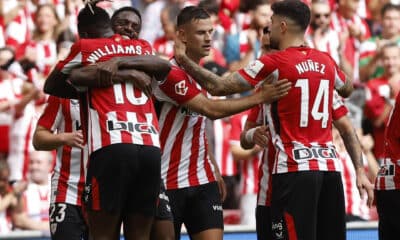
(362, 36)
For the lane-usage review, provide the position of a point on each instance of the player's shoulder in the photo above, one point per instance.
(177, 70)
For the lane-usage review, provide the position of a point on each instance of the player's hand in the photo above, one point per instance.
(139, 79)
(106, 71)
(179, 48)
(364, 186)
(271, 92)
(261, 136)
(73, 139)
(221, 186)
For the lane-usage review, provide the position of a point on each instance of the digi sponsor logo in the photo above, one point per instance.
(314, 153)
(130, 127)
(253, 68)
(181, 88)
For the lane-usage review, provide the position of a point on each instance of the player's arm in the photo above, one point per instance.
(45, 140)
(215, 109)
(214, 84)
(86, 76)
(57, 85)
(353, 147)
(150, 64)
(29, 93)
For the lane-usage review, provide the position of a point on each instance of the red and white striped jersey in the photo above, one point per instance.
(377, 96)
(20, 127)
(68, 178)
(18, 32)
(164, 46)
(121, 113)
(352, 45)
(249, 167)
(389, 175)
(185, 161)
(354, 204)
(329, 42)
(37, 201)
(257, 115)
(46, 55)
(222, 153)
(300, 123)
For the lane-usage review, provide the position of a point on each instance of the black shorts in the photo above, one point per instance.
(67, 222)
(232, 200)
(124, 178)
(199, 208)
(388, 206)
(263, 223)
(308, 205)
(164, 211)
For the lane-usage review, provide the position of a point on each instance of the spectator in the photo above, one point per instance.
(36, 198)
(42, 49)
(164, 45)
(380, 93)
(371, 49)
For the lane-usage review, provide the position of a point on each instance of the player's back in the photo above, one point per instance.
(121, 113)
(304, 115)
(301, 122)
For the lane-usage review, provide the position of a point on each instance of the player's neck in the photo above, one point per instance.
(291, 42)
(193, 57)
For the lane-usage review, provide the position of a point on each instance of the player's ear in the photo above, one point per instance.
(181, 35)
(283, 26)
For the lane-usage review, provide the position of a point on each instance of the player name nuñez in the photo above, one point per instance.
(113, 49)
(310, 65)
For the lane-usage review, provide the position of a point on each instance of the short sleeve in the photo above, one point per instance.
(178, 86)
(73, 60)
(338, 108)
(52, 114)
(258, 70)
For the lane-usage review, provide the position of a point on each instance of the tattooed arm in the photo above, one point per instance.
(353, 147)
(217, 86)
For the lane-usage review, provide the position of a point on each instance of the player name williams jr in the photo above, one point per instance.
(113, 49)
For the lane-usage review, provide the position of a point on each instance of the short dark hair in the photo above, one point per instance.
(93, 18)
(126, 9)
(295, 10)
(388, 7)
(191, 13)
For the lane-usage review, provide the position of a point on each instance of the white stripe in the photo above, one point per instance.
(136, 137)
(155, 138)
(115, 135)
(75, 62)
(95, 130)
(264, 181)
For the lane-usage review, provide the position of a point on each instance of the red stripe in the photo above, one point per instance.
(348, 185)
(81, 184)
(168, 123)
(95, 195)
(207, 166)
(175, 157)
(313, 164)
(291, 227)
(330, 165)
(194, 153)
(255, 165)
(66, 154)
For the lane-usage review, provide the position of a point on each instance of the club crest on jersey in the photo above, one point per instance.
(130, 127)
(253, 68)
(314, 152)
(181, 88)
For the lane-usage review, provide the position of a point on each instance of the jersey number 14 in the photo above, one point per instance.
(321, 98)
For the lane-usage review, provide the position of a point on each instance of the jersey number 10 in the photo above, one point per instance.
(129, 95)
